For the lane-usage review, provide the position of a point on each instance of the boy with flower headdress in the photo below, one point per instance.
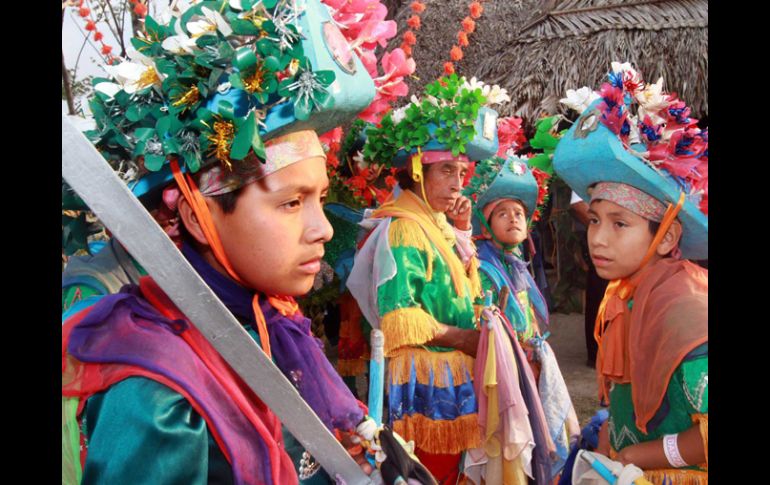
(646, 176)
(145, 398)
(416, 276)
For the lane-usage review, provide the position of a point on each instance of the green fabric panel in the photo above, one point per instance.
(486, 285)
(687, 394)
(411, 288)
(70, 295)
(140, 431)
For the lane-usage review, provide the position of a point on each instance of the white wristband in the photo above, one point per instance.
(671, 449)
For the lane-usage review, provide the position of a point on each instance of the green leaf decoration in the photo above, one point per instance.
(143, 134)
(192, 160)
(543, 162)
(244, 138)
(153, 163)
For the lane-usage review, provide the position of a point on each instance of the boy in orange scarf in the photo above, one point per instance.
(646, 177)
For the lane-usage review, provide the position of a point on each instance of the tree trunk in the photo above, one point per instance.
(67, 86)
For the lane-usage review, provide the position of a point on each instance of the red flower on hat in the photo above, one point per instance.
(449, 68)
(542, 187)
(509, 134)
(476, 9)
(456, 53)
(140, 9)
(414, 22)
(418, 7)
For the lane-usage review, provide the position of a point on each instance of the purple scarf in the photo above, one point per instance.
(124, 329)
(295, 351)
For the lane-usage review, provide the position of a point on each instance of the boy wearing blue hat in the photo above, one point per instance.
(507, 194)
(646, 176)
(145, 398)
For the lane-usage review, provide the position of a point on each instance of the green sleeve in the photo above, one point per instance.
(142, 432)
(693, 377)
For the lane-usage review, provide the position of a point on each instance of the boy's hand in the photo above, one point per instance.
(603, 446)
(355, 450)
(460, 213)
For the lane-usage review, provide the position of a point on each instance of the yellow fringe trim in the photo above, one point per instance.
(441, 436)
(352, 367)
(407, 326)
(407, 233)
(443, 364)
(677, 477)
(703, 421)
(475, 279)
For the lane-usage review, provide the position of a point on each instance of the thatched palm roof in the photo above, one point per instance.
(537, 49)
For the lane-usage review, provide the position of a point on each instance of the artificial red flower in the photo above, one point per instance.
(509, 134)
(418, 7)
(468, 25)
(476, 9)
(449, 68)
(106, 49)
(140, 9)
(410, 38)
(536, 215)
(456, 53)
(462, 39)
(98, 36)
(390, 181)
(414, 22)
(90, 25)
(84, 11)
(407, 50)
(358, 182)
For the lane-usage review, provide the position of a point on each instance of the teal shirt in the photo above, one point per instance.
(140, 431)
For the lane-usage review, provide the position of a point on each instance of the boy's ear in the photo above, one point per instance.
(190, 221)
(671, 239)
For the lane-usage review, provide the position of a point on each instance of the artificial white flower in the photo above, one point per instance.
(618, 67)
(579, 100)
(652, 100)
(473, 84)
(180, 43)
(208, 24)
(496, 94)
(108, 88)
(137, 74)
(399, 114)
(415, 100)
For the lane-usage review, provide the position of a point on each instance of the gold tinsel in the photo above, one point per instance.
(189, 98)
(224, 131)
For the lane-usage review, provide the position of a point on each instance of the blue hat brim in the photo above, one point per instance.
(590, 153)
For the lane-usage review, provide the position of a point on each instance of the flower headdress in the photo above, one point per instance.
(212, 83)
(447, 114)
(656, 126)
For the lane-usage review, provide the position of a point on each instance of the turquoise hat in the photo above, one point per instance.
(592, 152)
(263, 69)
(511, 178)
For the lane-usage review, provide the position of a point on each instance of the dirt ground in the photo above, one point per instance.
(568, 342)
